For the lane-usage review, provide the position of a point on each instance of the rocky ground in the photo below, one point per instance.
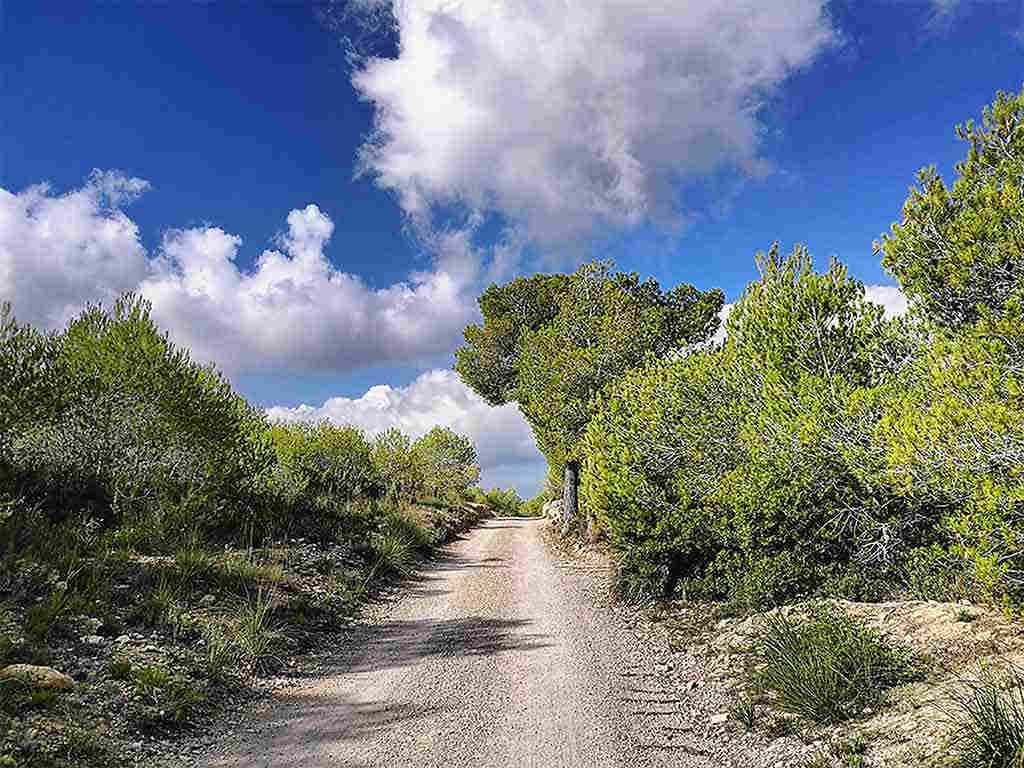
(126, 660)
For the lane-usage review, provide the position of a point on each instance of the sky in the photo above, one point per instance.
(313, 195)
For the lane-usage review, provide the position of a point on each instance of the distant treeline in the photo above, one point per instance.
(110, 435)
(823, 447)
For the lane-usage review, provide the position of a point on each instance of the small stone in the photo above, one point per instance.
(720, 718)
(93, 640)
(123, 639)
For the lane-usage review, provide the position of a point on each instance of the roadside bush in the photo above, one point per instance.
(656, 452)
(448, 464)
(826, 668)
(135, 434)
(748, 470)
(397, 465)
(959, 252)
(320, 472)
(953, 439)
(504, 503)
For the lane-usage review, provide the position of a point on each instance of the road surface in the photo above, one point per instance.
(499, 655)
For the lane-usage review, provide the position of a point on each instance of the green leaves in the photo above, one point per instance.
(959, 251)
(449, 464)
(553, 344)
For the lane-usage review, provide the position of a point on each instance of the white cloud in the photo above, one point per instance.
(892, 299)
(58, 253)
(505, 445)
(575, 117)
(293, 309)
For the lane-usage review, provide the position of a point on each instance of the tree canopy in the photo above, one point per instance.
(551, 344)
(961, 250)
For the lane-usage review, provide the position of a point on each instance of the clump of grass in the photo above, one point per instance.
(219, 652)
(239, 573)
(42, 617)
(743, 709)
(255, 634)
(965, 616)
(193, 565)
(827, 668)
(119, 668)
(406, 523)
(394, 551)
(169, 698)
(157, 606)
(988, 720)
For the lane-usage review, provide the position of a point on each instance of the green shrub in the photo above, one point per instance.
(655, 453)
(959, 253)
(953, 442)
(506, 503)
(826, 668)
(397, 465)
(747, 470)
(449, 464)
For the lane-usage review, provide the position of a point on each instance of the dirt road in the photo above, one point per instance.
(498, 656)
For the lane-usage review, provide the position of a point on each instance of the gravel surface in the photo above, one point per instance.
(500, 654)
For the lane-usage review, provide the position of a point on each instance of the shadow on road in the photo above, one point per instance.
(401, 643)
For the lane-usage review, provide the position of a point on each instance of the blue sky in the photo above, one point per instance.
(677, 139)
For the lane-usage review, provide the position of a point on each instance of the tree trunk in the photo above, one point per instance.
(570, 498)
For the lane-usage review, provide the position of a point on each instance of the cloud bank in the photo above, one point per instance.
(293, 310)
(507, 452)
(572, 118)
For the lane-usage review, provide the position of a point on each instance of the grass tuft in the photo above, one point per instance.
(988, 720)
(394, 551)
(255, 633)
(827, 668)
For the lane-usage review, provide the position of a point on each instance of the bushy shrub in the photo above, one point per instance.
(959, 252)
(397, 465)
(110, 434)
(320, 472)
(655, 455)
(505, 503)
(133, 432)
(748, 469)
(953, 437)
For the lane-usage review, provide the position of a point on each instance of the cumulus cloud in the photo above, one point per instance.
(574, 118)
(892, 299)
(505, 445)
(293, 309)
(59, 252)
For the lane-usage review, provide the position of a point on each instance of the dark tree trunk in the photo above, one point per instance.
(570, 495)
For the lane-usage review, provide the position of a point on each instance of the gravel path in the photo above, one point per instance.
(499, 655)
